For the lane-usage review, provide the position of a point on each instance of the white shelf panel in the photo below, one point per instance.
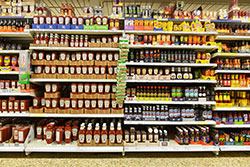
(42, 146)
(171, 102)
(232, 126)
(9, 72)
(17, 94)
(232, 88)
(80, 32)
(25, 34)
(234, 148)
(173, 47)
(72, 80)
(233, 71)
(173, 81)
(208, 122)
(171, 32)
(11, 148)
(173, 147)
(73, 49)
(231, 109)
(45, 115)
(232, 37)
(231, 55)
(170, 64)
(10, 51)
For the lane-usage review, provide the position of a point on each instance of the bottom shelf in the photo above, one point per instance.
(42, 146)
(234, 148)
(173, 147)
(12, 148)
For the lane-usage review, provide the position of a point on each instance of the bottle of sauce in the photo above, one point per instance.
(97, 133)
(59, 134)
(119, 133)
(89, 134)
(82, 132)
(104, 134)
(112, 133)
(75, 126)
(67, 133)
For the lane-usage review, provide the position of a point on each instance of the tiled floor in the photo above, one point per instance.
(234, 159)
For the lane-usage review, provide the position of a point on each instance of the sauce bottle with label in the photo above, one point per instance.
(97, 133)
(67, 133)
(82, 131)
(104, 134)
(119, 133)
(112, 133)
(89, 133)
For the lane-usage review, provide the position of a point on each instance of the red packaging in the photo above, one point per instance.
(36, 102)
(67, 134)
(97, 70)
(78, 56)
(59, 135)
(62, 56)
(53, 56)
(4, 105)
(48, 103)
(7, 84)
(24, 105)
(80, 88)
(55, 103)
(110, 56)
(84, 56)
(43, 102)
(61, 20)
(84, 70)
(74, 131)
(60, 69)
(107, 88)
(78, 69)
(110, 70)
(55, 87)
(2, 84)
(98, 56)
(47, 69)
(90, 56)
(104, 56)
(90, 70)
(87, 104)
(87, 88)
(41, 20)
(106, 103)
(74, 20)
(93, 104)
(113, 103)
(61, 103)
(72, 70)
(74, 88)
(53, 69)
(48, 87)
(66, 70)
(36, 20)
(100, 104)
(103, 70)
(67, 103)
(50, 132)
(38, 69)
(22, 134)
(100, 88)
(93, 88)
(74, 103)
(48, 20)
(16, 106)
(41, 55)
(34, 56)
(80, 103)
(67, 20)
(11, 105)
(39, 131)
(80, 20)
(54, 20)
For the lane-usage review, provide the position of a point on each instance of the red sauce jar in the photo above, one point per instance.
(55, 87)
(87, 104)
(80, 88)
(103, 70)
(74, 88)
(48, 103)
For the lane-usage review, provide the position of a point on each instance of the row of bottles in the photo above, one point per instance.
(167, 113)
(173, 56)
(12, 25)
(236, 98)
(231, 117)
(232, 80)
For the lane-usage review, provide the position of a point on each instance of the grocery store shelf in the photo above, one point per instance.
(233, 71)
(80, 32)
(231, 55)
(10, 51)
(9, 72)
(72, 80)
(208, 122)
(232, 126)
(43, 115)
(73, 49)
(173, 47)
(233, 37)
(173, 147)
(231, 109)
(16, 34)
(170, 64)
(12, 148)
(232, 88)
(235, 148)
(171, 102)
(17, 94)
(42, 146)
(173, 81)
(170, 32)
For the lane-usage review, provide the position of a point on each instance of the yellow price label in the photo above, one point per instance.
(37, 115)
(202, 123)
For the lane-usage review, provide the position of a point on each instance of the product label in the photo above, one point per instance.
(93, 88)
(54, 103)
(107, 88)
(61, 20)
(61, 103)
(81, 138)
(73, 103)
(84, 56)
(119, 139)
(80, 88)
(10, 105)
(97, 56)
(103, 69)
(35, 20)
(87, 103)
(41, 20)
(53, 69)
(47, 103)
(106, 103)
(47, 69)
(60, 70)
(74, 21)
(97, 139)
(110, 69)
(62, 56)
(90, 69)
(48, 135)
(78, 56)
(91, 56)
(84, 70)
(35, 102)
(110, 56)
(54, 20)
(86, 88)
(80, 103)
(72, 70)
(96, 70)
(116, 56)
(16, 105)
(104, 57)
(73, 88)
(80, 21)
(100, 88)
(34, 55)
(40, 55)
(112, 139)
(57, 136)
(67, 134)
(74, 132)
(66, 70)
(113, 103)
(78, 70)
(48, 20)
(67, 103)
(100, 103)
(54, 87)
(93, 103)
(88, 138)
(20, 136)
(38, 130)
(22, 105)
(104, 138)
(67, 20)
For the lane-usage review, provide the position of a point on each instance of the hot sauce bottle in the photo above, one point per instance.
(104, 133)
(119, 133)
(89, 133)
(97, 133)
(82, 132)
(112, 133)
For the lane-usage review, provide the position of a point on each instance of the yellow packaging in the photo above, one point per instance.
(164, 26)
(175, 27)
(146, 22)
(158, 38)
(151, 23)
(155, 23)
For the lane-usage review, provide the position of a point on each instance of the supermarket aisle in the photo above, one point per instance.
(132, 160)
